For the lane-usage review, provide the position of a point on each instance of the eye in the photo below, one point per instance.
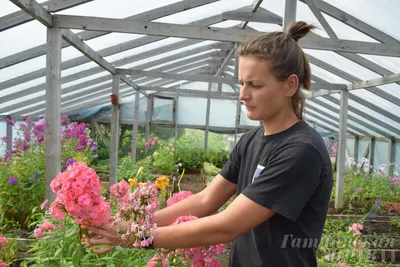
(256, 85)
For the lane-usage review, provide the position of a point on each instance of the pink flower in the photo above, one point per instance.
(44, 203)
(78, 193)
(120, 190)
(3, 264)
(156, 259)
(356, 228)
(3, 240)
(44, 228)
(176, 197)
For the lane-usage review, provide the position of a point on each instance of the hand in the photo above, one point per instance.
(107, 234)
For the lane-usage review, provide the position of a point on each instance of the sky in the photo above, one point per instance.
(382, 14)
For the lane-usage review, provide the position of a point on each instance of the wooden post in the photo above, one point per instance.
(148, 119)
(356, 142)
(392, 154)
(53, 106)
(176, 119)
(207, 129)
(371, 151)
(290, 13)
(114, 130)
(341, 153)
(9, 134)
(135, 124)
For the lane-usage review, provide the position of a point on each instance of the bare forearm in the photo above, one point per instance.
(196, 233)
(194, 205)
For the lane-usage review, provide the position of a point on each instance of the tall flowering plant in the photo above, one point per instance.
(22, 169)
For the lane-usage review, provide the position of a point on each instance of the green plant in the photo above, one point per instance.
(395, 221)
(164, 161)
(63, 248)
(127, 168)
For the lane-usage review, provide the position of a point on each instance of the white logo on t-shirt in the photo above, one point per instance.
(258, 171)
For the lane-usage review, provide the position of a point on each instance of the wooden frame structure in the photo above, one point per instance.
(211, 63)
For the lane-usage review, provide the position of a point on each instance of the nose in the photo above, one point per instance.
(244, 92)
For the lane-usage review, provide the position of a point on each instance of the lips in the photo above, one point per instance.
(250, 107)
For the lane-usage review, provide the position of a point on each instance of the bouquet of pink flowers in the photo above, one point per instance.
(137, 208)
(78, 193)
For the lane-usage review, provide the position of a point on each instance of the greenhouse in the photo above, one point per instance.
(145, 94)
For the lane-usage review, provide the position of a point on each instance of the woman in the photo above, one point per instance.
(280, 172)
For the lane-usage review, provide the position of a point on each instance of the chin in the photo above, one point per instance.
(252, 117)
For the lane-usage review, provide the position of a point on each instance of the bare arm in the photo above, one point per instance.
(201, 204)
(240, 217)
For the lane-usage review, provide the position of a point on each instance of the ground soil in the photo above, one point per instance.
(192, 182)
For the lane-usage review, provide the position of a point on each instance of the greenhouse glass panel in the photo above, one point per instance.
(192, 111)
(381, 153)
(350, 146)
(222, 113)
(362, 147)
(388, 11)
(397, 157)
(163, 109)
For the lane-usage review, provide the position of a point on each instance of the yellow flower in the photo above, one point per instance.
(139, 171)
(132, 181)
(162, 182)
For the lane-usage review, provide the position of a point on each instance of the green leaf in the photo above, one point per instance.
(77, 256)
(58, 251)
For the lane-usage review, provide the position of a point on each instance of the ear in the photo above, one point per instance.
(292, 84)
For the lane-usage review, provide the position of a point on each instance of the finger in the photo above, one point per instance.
(104, 250)
(98, 231)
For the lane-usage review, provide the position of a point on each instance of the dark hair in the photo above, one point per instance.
(285, 57)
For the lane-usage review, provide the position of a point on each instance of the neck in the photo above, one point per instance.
(279, 123)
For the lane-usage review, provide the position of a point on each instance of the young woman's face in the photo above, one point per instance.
(262, 94)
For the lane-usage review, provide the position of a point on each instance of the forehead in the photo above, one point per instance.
(253, 68)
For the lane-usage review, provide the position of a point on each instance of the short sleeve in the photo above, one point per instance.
(230, 171)
(288, 180)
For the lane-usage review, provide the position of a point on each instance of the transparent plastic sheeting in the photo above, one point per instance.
(192, 110)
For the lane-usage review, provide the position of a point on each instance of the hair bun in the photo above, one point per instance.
(299, 29)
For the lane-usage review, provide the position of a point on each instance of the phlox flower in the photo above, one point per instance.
(120, 190)
(156, 259)
(44, 228)
(44, 203)
(176, 197)
(78, 193)
(138, 210)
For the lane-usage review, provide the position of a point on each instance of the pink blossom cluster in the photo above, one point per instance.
(151, 142)
(395, 181)
(78, 193)
(176, 197)
(356, 228)
(3, 264)
(358, 245)
(43, 229)
(78, 130)
(120, 191)
(196, 257)
(137, 208)
(3, 241)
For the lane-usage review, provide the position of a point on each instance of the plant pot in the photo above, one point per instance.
(114, 99)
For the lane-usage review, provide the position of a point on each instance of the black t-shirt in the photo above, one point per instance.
(290, 173)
